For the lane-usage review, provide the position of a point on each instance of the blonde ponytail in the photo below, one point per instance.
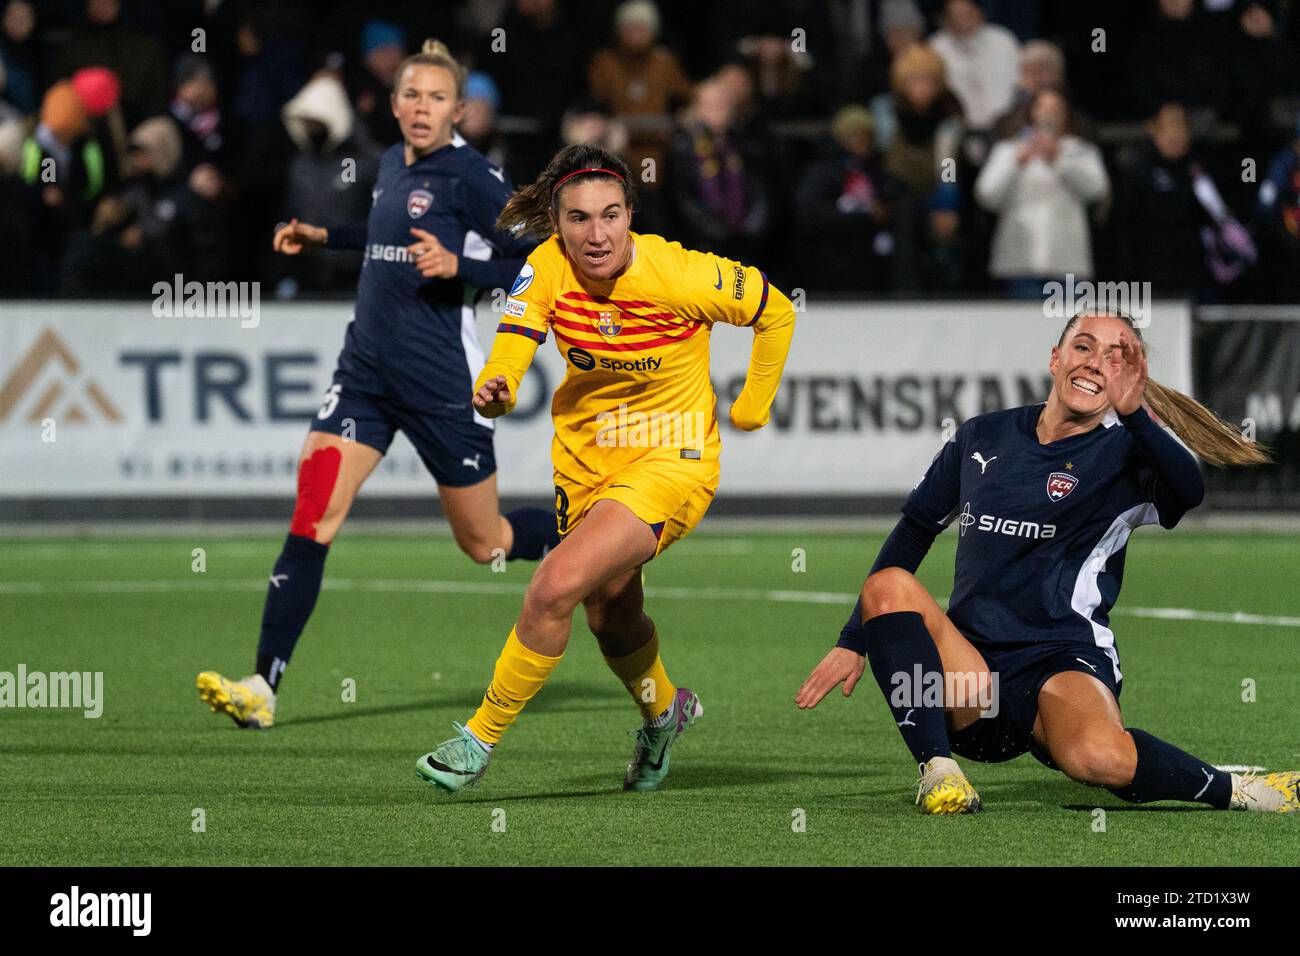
(1211, 438)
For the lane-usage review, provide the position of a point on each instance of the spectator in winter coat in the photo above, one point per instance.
(1040, 184)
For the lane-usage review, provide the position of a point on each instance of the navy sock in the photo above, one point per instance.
(1166, 773)
(899, 644)
(535, 533)
(290, 597)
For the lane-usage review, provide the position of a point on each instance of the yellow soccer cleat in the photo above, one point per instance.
(1273, 792)
(943, 788)
(249, 702)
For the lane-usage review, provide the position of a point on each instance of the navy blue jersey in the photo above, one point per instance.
(1042, 529)
(413, 339)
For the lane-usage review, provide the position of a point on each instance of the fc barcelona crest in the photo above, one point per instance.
(1060, 484)
(609, 323)
(418, 203)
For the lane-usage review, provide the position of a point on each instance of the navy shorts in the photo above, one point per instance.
(1022, 670)
(456, 452)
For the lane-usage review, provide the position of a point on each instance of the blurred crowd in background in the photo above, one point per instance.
(880, 147)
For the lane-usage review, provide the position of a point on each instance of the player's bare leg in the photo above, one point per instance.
(609, 542)
(330, 473)
(474, 513)
(1079, 723)
(323, 504)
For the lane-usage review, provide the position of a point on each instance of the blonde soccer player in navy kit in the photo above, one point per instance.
(430, 248)
(1044, 498)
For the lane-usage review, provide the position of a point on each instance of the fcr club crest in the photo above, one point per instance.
(609, 323)
(1060, 484)
(418, 203)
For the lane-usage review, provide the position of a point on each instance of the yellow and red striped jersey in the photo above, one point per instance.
(637, 352)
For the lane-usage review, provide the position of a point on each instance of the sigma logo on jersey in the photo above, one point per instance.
(388, 253)
(418, 203)
(609, 323)
(1008, 526)
(584, 360)
(523, 280)
(1060, 484)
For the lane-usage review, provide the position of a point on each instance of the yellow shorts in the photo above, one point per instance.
(670, 497)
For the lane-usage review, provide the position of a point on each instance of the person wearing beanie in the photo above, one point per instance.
(846, 210)
(98, 88)
(63, 169)
(925, 117)
(370, 80)
(478, 124)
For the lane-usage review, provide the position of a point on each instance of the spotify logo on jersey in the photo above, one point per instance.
(582, 359)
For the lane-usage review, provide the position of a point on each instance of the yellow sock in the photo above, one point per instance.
(518, 675)
(643, 674)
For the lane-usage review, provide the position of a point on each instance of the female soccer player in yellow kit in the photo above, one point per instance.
(636, 438)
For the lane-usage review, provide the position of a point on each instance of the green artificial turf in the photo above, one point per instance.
(417, 627)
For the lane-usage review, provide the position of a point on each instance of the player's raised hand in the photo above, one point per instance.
(296, 236)
(431, 258)
(1126, 375)
(492, 397)
(840, 666)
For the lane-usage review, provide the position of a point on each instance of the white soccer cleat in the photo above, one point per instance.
(1271, 792)
(249, 702)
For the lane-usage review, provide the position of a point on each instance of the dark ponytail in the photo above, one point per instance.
(533, 208)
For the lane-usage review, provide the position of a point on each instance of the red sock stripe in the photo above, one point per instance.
(317, 476)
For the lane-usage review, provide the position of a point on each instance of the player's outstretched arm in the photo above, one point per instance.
(840, 666)
(294, 236)
(773, 331)
(497, 387)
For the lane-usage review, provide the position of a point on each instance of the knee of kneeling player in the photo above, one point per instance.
(1103, 762)
(887, 591)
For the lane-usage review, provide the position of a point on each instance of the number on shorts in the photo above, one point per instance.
(561, 509)
(330, 403)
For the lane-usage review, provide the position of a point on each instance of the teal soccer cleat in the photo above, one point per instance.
(455, 763)
(649, 763)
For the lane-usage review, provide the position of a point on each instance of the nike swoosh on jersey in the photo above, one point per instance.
(719, 268)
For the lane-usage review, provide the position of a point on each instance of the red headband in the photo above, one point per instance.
(578, 172)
